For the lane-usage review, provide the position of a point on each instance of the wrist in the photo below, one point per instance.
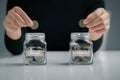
(14, 35)
(94, 37)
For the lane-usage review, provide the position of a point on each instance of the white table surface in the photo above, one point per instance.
(106, 66)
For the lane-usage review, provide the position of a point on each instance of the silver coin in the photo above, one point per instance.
(81, 24)
(39, 58)
(35, 24)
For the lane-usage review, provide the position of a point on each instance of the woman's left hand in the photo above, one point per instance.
(98, 22)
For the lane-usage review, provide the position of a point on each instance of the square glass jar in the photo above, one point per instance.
(81, 49)
(35, 48)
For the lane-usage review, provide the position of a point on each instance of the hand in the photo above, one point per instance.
(14, 21)
(98, 23)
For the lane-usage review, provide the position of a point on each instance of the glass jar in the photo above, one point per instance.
(35, 48)
(81, 49)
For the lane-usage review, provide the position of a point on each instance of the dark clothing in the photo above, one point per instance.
(57, 18)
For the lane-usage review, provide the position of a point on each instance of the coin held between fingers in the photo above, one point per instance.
(81, 24)
(35, 24)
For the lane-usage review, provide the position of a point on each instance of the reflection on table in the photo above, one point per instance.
(105, 67)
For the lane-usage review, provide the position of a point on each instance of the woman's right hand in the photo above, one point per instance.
(14, 21)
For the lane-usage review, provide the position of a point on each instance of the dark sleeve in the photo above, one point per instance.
(97, 44)
(13, 3)
(93, 5)
(15, 46)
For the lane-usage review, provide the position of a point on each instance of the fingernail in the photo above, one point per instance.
(85, 21)
(91, 30)
(87, 26)
(31, 23)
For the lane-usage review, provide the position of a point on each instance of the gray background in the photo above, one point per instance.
(112, 38)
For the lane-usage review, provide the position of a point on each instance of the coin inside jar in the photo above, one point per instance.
(35, 24)
(39, 58)
(81, 24)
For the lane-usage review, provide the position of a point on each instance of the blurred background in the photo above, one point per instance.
(111, 39)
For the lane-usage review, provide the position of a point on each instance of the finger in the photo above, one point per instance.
(25, 17)
(17, 17)
(12, 20)
(9, 19)
(102, 31)
(98, 20)
(9, 27)
(101, 26)
(97, 13)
